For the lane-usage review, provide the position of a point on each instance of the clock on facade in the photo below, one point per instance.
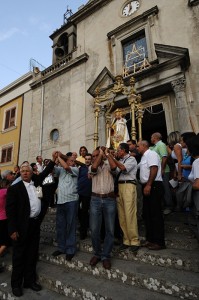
(130, 8)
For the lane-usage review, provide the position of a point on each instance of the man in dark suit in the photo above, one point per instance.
(23, 208)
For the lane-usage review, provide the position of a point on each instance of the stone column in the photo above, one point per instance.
(102, 127)
(181, 105)
(132, 103)
(96, 133)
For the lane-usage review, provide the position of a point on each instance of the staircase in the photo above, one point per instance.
(172, 273)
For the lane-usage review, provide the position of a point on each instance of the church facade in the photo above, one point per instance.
(139, 56)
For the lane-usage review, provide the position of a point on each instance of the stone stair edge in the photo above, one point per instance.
(59, 284)
(6, 291)
(89, 285)
(172, 240)
(170, 257)
(138, 278)
(156, 280)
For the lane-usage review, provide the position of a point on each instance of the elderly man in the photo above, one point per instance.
(103, 205)
(127, 202)
(39, 163)
(153, 192)
(8, 175)
(23, 208)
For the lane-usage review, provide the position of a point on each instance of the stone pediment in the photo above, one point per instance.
(104, 80)
(169, 53)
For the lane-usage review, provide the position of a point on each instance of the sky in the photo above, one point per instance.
(25, 28)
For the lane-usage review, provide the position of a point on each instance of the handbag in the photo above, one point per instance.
(48, 180)
(39, 192)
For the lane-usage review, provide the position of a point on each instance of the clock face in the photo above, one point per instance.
(130, 8)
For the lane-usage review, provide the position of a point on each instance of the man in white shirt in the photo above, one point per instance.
(153, 193)
(39, 163)
(23, 208)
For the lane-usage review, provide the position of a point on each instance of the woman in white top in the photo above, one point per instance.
(193, 146)
(176, 152)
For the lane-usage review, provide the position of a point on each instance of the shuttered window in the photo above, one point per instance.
(10, 118)
(6, 154)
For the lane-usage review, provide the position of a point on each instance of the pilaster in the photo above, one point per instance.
(181, 105)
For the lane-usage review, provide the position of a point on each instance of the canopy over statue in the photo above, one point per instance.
(118, 131)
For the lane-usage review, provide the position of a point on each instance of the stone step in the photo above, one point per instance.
(69, 282)
(174, 223)
(173, 240)
(182, 259)
(178, 283)
(170, 227)
(170, 258)
(44, 294)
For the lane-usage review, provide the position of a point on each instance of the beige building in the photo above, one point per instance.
(103, 56)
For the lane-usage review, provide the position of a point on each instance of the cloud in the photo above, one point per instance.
(8, 34)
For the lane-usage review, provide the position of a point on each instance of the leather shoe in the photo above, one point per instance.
(1, 269)
(155, 247)
(17, 291)
(134, 248)
(33, 286)
(106, 264)
(69, 257)
(94, 260)
(57, 253)
(123, 247)
(83, 236)
(145, 243)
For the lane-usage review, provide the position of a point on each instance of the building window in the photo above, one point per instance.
(10, 116)
(54, 135)
(6, 154)
(135, 53)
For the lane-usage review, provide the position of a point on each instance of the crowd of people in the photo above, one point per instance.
(106, 192)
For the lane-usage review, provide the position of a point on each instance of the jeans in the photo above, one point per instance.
(107, 208)
(66, 226)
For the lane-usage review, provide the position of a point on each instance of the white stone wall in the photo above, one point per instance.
(68, 106)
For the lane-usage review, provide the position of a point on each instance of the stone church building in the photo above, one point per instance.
(140, 56)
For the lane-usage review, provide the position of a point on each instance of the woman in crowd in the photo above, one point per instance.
(193, 146)
(187, 160)
(4, 237)
(177, 152)
(34, 168)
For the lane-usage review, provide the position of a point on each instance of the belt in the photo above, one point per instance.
(111, 195)
(128, 181)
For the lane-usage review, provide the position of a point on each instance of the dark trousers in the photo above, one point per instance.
(25, 255)
(83, 213)
(47, 200)
(152, 214)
